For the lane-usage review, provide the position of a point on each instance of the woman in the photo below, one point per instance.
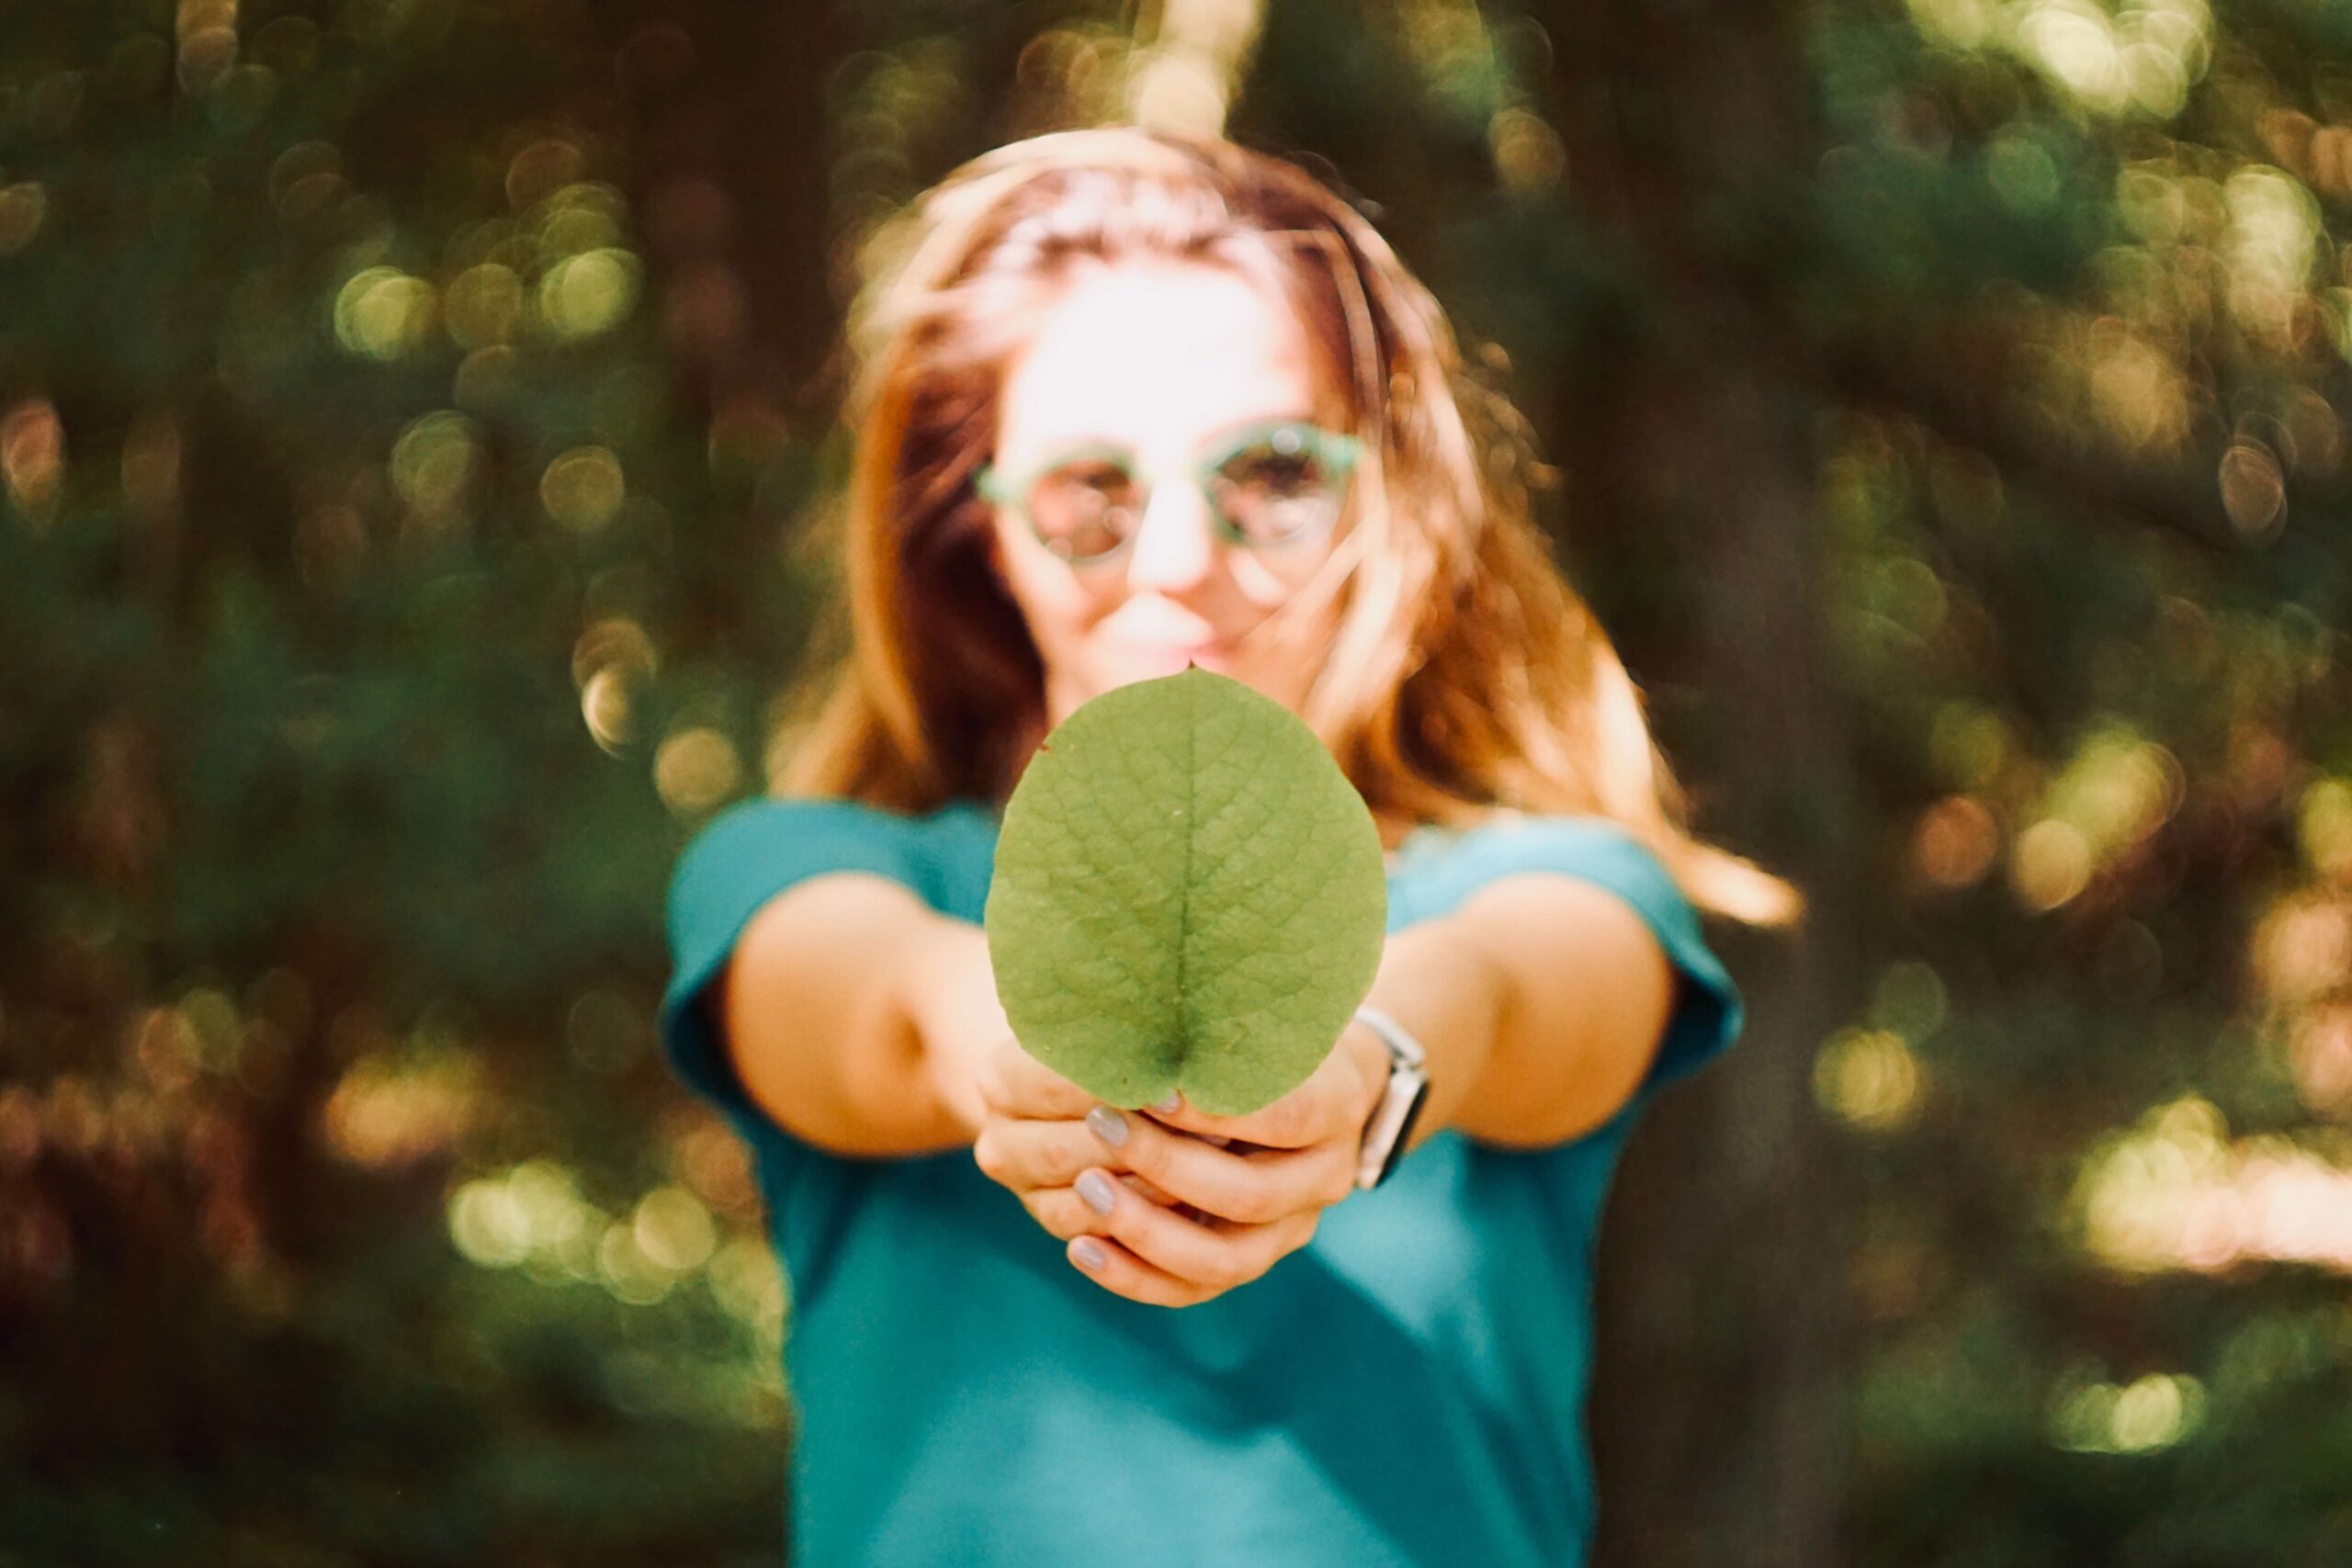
(1128, 403)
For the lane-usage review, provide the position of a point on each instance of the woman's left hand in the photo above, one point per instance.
(1259, 1199)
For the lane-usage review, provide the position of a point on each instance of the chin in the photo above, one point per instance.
(1126, 667)
(1143, 664)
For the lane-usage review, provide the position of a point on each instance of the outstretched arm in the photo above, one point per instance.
(1588, 992)
(822, 1004)
(1541, 1002)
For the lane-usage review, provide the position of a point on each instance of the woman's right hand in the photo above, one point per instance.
(1059, 1149)
(1035, 1139)
(1070, 1159)
(985, 1080)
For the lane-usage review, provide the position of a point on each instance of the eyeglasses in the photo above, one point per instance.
(1280, 482)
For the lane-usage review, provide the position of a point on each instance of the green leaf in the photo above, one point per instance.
(1189, 894)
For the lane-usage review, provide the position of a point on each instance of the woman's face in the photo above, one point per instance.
(1161, 361)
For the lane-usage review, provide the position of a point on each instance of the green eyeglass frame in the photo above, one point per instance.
(1335, 453)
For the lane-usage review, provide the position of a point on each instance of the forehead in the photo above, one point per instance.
(1156, 355)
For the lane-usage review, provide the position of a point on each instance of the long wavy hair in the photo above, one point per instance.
(1467, 677)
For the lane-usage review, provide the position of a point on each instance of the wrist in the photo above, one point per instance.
(948, 992)
(1441, 986)
(1369, 1054)
(1389, 1133)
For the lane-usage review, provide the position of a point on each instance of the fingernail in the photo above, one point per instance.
(1095, 1187)
(1170, 1103)
(1089, 1252)
(1107, 1125)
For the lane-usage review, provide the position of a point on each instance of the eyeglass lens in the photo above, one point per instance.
(1271, 491)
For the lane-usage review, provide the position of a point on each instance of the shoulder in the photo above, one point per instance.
(749, 824)
(755, 849)
(1604, 853)
(1591, 848)
(763, 830)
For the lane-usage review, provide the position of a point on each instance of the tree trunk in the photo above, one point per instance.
(1720, 1410)
(1721, 1407)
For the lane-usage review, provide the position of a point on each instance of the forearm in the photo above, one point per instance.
(948, 987)
(1449, 994)
(812, 1004)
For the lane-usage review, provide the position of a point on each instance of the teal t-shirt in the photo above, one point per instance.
(1408, 1388)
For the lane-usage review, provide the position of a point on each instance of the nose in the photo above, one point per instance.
(1172, 547)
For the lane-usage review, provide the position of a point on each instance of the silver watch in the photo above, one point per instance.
(1400, 1104)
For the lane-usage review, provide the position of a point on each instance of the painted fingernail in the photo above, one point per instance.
(1095, 1187)
(1170, 1103)
(1089, 1252)
(1107, 1125)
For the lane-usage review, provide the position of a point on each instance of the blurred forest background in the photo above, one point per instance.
(409, 411)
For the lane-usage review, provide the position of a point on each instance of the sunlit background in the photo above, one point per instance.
(413, 419)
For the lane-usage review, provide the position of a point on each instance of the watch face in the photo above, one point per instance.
(1405, 1129)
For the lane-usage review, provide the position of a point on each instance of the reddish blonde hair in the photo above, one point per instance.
(1466, 676)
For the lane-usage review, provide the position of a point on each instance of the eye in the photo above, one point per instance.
(1267, 469)
(1084, 507)
(1089, 476)
(1278, 487)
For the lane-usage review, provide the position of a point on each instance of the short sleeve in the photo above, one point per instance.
(1708, 1012)
(740, 860)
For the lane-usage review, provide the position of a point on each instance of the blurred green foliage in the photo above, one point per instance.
(341, 455)
(407, 410)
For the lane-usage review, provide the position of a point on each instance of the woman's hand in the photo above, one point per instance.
(1152, 1206)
